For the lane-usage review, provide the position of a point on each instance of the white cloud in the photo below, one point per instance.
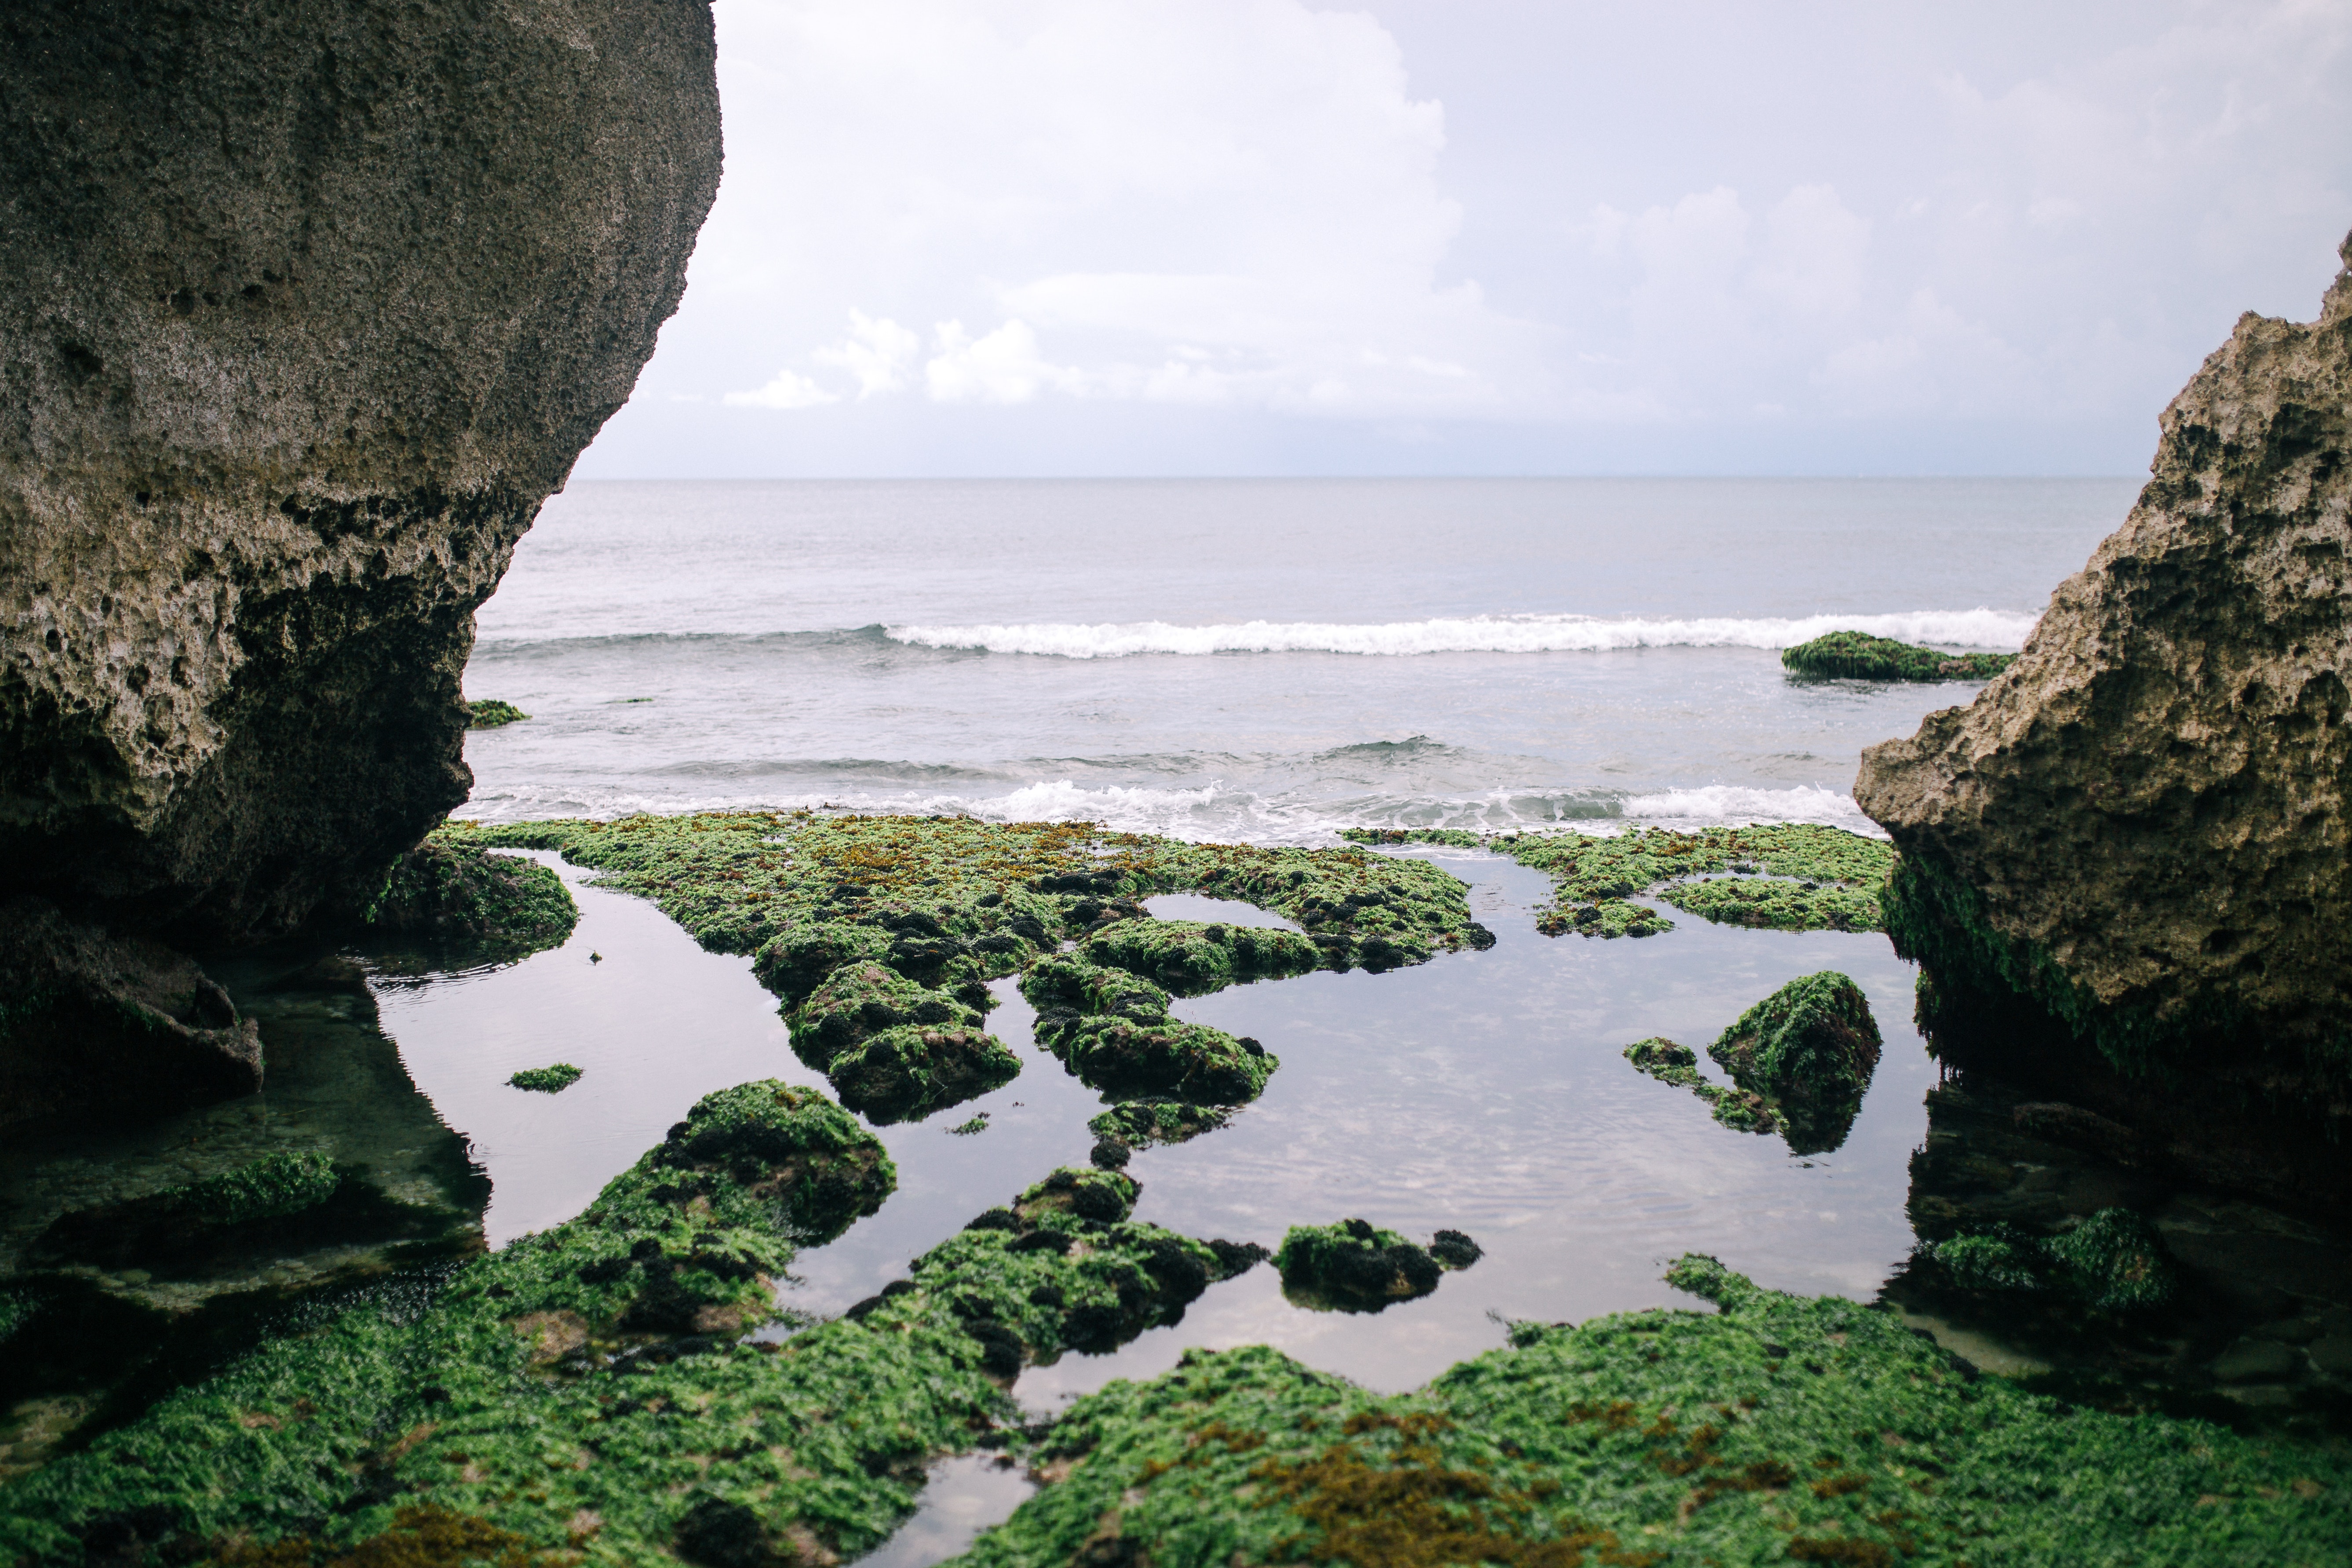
(1002, 367)
(878, 352)
(788, 390)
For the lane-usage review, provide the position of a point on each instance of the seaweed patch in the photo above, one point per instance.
(1808, 1051)
(1354, 1267)
(1789, 877)
(553, 1079)
(1776, 1428)
(1859, 655)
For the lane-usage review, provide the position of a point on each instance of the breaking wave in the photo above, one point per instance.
(1977, 628)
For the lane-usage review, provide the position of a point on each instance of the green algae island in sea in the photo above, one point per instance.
(489, 713)
(880, 934)
(1799, 1060)
(553, 1079)
(1791, 877)
(1858, 655)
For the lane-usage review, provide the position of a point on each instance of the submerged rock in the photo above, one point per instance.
(2128, 866)
(93, 1021)
(304, 309)
(1858, 655)
(2112, 1262)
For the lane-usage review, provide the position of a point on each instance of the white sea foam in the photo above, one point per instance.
(1733, 802)
(1979, 628)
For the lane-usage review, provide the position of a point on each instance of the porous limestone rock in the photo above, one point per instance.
(305, 307)
(2128, 865)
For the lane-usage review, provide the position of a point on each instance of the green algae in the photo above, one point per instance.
(1355, 1267)
(1112, 1028)
(947, 901)
(2113, 1261)
(489, 713)
(452, 893)
(1858, 655)
(587, 1392)
(894, 1049)
(1808, 1051)
(1790, 877)
(1193, 958)
(1742, 1110)
(1142, 1123)
(553, 1079)
(1781, 1428)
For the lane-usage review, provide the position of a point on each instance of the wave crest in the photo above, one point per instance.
(1979, 628)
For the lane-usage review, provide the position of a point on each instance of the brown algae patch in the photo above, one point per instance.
(1790, 877)
(1781, 1428)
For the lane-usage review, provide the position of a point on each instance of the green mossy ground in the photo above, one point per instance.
(587, 1392)
(553, 1079)
(1858, 655)
(1354, 1267)
(1782, 1430)
(489, 713)
(1792, 877)
(451, 893)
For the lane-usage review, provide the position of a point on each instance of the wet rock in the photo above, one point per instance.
(1858, 655)
(92, 1021)
(906, 1073)
(2128, 866)
(281, 400)
(1142, 1123)
(1184, 1061)
(452, 896)
(2113, 1262)
(861, 1000)
(1192, 959)
(1355, 1267)
(1808, 1051)
(2255, 1361)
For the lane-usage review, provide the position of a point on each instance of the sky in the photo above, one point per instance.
(1084, 238)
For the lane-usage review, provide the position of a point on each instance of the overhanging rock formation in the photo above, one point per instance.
(305, 307)
(2125, 866)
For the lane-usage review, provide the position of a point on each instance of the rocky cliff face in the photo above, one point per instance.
(2125, 866)
(305, 306)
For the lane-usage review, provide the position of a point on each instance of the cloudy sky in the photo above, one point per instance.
(1260, 236)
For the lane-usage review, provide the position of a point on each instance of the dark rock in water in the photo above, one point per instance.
(1808, 1052)
(1355, 1267)
(91, 1021)
(304, 308)
(1858, 655)
(2126, 868)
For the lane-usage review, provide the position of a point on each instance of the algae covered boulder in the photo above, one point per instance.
(2113, 1261)
(1170, 1057)
(449, 895)
(906, 1073)
(1858, 655)
(795, 962)
(1356, 1266)
(1808, 1051)
(862, 999)
(776, 1144)
(2128, 865)
(1191, 958)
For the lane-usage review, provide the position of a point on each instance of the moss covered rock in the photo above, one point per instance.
(1779, 1428)
(862, 999)
(1808, 1051)
(906, 1073)
(1183, 1061)
(553, 1079)
(1191, 958)
(1858, 655)
(1357, 1268)
(452, 893)
(490, 713)
(2113, 1262)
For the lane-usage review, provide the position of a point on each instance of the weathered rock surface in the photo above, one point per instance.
(2128, 866)
(86, 1019)
(304, 308)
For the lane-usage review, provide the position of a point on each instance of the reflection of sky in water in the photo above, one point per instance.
(1484, 1092)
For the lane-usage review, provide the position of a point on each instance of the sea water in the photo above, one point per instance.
(1248, 659)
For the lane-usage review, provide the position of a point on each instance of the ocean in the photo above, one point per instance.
(1258, 660)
